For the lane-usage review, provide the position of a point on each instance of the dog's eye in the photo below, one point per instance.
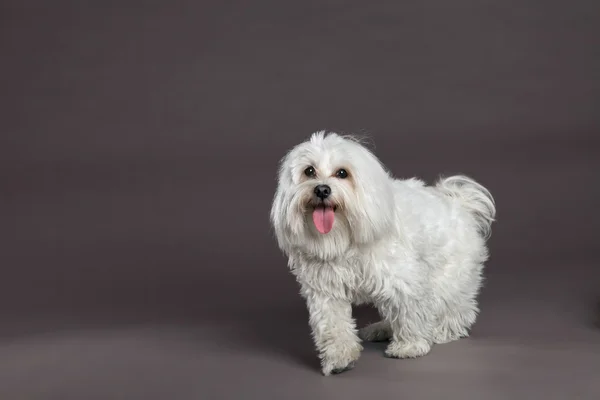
(342, 174)
(310, 172)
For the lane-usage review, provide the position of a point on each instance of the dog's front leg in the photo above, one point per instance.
(334, 332)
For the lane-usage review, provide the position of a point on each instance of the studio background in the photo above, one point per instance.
(139, 142)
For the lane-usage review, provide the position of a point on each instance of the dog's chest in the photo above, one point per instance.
(352, 277)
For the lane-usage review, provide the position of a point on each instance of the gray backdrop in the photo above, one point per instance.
(138, 151)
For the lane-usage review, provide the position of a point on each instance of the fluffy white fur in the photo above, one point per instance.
(415, 252)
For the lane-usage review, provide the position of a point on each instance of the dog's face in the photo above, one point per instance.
(332, 193)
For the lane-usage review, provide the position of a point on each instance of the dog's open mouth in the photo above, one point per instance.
(324, 217)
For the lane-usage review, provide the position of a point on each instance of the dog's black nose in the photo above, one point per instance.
(322, 191)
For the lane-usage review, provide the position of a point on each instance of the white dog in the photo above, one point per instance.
(353, 234)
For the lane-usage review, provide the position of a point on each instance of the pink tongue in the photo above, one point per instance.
(323, 218)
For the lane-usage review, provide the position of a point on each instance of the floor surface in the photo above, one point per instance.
(138, 149)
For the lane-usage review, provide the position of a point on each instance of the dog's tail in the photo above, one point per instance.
(474, 197)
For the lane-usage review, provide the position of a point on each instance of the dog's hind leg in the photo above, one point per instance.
(455, 323)
(458, 311)
(376, 332)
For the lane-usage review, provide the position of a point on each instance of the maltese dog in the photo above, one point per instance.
(353, 234)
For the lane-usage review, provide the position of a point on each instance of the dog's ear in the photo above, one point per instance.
(277, 216)
(284, 220)
(373, 210)
(374, 213)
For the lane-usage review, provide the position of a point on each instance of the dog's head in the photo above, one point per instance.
(332, 193)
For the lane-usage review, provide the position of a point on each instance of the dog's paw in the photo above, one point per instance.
(348, 367)
(339, 357)
(397, 349)
(376, 332)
